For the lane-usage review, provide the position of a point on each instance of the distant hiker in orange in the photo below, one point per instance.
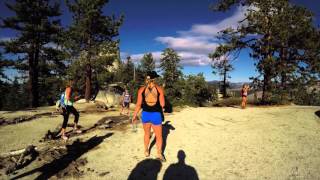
(151, 100)
(244, 94)
(67, 99)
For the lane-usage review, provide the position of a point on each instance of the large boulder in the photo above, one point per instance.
(110, 98)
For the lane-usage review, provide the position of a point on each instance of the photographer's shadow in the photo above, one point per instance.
(166, 127)
(180, 170)
(147, 169)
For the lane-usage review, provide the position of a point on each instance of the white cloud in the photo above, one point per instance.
(137, 57)
(187, 58)
(53, 46)
(194, 59)
(194, 45)
(48, 45)
(213, 29)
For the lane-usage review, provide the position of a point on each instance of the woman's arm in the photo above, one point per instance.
(138, 104)
(161, 97)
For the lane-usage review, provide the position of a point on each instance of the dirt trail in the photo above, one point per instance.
(202, 143)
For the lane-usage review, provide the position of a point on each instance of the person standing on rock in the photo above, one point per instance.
(151, 100)
(68, 100)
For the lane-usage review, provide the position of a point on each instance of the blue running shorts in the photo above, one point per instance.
(151, 117)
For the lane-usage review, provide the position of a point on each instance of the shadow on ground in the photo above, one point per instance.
(74, 151)
(317, 113)
(166, 128)
(180, 170)
(147, 169)
(104, 123)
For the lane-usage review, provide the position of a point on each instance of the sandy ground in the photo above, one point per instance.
(201, 143)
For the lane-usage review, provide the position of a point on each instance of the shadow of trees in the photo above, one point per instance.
(74, 151)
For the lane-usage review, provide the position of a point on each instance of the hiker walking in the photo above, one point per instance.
(68, 98)
(126, 100)
(151, 100)
(244, 94)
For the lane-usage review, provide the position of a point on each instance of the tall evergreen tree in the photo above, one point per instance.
(3, 84)
(222, 65)
(90, 29)
(171, 71)
(37, 27)
(147, 63)
(128, 71)
(276, 33)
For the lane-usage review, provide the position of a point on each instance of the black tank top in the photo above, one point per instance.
(154, 108)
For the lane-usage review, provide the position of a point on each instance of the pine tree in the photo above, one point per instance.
(171, 71)
(276, 33)
(89, 30)
(223, 66)
(128, 74)
(37, 26)
(147, 63)
(196, 90)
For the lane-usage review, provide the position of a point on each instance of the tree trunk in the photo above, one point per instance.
(284, 70)
(33, 78)
(263, 100)
(224, 83)
(267, 67)
(88, 82)
(266, 87)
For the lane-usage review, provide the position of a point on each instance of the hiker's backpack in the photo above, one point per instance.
(62, 100)
(60, 105)
(151, 96)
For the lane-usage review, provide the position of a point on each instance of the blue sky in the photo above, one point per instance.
(188, 26)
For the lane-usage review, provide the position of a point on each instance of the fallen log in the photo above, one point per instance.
(27, 149)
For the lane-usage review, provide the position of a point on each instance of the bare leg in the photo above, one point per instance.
(63, 131)
(121, 112)
(243, 103)
(128, 111)
(157, 129)
(146, 128)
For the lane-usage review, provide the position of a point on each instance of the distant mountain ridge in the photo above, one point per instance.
(233, 85)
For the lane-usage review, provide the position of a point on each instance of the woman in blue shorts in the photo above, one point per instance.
(151, 100)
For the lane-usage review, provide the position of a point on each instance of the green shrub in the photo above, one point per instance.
(232, 101)
(311, 98)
